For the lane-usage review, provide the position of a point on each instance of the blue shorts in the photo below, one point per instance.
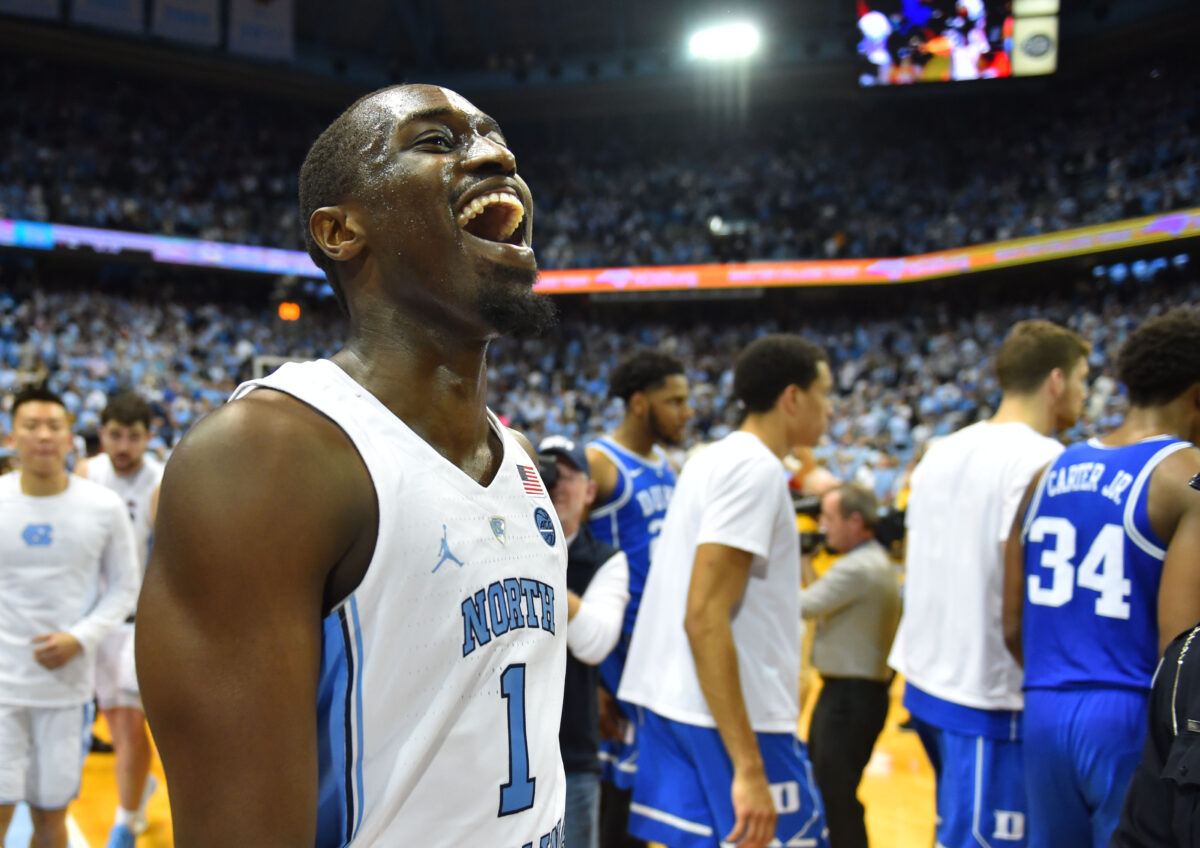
(980, 788)
(1082, 746)
(619, 759)
(681, 797)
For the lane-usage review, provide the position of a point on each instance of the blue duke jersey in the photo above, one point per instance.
(633, 516)
(1092, 569)
(442, 673)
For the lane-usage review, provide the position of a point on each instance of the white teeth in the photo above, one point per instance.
(503, 198)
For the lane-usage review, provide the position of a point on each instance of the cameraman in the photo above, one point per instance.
(857, 604)
(598, 590)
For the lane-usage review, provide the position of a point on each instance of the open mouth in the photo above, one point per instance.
(495, 217)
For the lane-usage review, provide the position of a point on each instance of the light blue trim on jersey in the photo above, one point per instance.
(339, 729)
(358, 710)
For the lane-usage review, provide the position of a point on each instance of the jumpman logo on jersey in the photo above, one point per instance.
(444, 553)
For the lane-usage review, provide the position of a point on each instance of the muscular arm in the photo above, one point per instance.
(604, 475)
(259, 504)
(719, 577)
(1179, 589)
(1013, 553)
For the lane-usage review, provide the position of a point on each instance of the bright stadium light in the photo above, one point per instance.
(725, 41)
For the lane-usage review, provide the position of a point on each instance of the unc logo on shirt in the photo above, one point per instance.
(37, 535)
(544, 525)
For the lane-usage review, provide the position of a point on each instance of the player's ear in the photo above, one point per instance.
(590, 497)
(337, 232)
(639, 403)
(789, 399)
(1057, 382)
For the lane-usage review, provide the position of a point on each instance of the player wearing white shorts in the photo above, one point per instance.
(68, 576)
(715, 656)
(124, 467)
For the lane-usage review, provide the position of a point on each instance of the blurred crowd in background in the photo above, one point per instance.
(929, 174)
(900, 380)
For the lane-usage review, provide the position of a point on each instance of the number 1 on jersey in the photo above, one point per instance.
(517, 794)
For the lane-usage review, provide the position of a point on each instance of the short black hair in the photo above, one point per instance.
(772, 363)
(1161, 358)
(127, 408)
(336, 168)
(642, 371)
(32, 394)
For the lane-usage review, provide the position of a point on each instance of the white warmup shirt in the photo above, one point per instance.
(596, 627)
(965, 493)
(67, 564)
(137, 491)
(733, 493)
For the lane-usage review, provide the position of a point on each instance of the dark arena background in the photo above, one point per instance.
(690, 195)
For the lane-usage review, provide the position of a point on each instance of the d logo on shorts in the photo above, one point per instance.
(1010, 825)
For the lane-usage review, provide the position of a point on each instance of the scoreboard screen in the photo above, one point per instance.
(911, 41)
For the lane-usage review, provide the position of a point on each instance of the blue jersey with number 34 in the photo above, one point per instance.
(1092, 569)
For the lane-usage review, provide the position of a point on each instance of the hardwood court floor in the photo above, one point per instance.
(897, 791)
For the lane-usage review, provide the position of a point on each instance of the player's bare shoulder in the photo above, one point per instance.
(603, 471)
(1170, 495)
(275, 452)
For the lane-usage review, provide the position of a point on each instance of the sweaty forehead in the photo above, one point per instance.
(406, 103)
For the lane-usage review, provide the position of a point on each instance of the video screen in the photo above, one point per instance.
(911, 41)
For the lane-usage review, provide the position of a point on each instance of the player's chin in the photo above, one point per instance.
(508, 303)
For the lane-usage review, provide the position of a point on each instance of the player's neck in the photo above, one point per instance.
(1143, 422)
(439, 393)
(632, 435)
(1031, 410)
(769, 428)
(44, 485)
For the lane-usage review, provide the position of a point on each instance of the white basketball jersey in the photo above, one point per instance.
(442, 673)
(136, 490)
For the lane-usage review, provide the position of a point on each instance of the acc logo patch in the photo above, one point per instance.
(37, 535)
(544, 525)
(497, 525)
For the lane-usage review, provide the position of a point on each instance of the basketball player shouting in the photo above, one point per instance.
(316, 669)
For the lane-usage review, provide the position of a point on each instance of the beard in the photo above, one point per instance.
(659, 434)
(508, 303)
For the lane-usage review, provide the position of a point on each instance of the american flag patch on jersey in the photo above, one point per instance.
(530, 480)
